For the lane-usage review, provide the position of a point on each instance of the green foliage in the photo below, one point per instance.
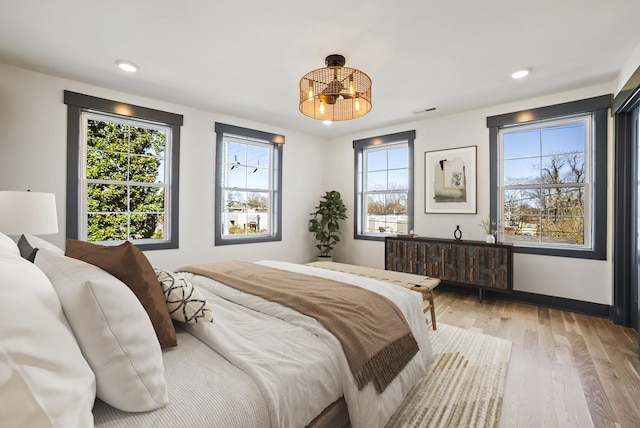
(324, 223)
(120, 155)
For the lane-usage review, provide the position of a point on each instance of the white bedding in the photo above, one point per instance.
(204, 390)
(286, 352)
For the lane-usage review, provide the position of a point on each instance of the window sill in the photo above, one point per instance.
(561, 252)
(248, 240)
(377, 237)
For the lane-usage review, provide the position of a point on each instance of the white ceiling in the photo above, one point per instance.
(245, 58)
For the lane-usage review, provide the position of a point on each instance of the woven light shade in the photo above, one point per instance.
(335, 92)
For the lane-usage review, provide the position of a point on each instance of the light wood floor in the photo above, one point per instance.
(566, 369)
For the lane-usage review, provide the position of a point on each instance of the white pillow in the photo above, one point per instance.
(184, 301)
(44, 379)
(41, 243)
(8, 244)
(113, 330)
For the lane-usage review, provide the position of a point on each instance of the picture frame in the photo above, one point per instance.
(450, 181)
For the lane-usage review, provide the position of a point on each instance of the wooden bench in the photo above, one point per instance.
(419, 283)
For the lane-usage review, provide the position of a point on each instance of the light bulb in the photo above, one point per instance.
(310, 91)
(321, 109)
(351, 91)
(357, 104)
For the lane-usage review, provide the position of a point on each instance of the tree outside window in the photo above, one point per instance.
(544, 180)
(124, 181)
(123, 172)
(548, 181)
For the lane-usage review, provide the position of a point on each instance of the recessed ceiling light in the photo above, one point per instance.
(127, 66)
(520, 73)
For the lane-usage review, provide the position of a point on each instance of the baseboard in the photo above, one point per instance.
(561, 303)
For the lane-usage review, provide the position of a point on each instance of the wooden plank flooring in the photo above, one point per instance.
(566, 369)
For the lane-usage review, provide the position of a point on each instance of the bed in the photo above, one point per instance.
(249, 362)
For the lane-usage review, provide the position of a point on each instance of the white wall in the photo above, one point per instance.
(579, 279)
(33, 154)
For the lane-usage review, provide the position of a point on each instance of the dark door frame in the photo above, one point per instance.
(624, 212)
(625, 209)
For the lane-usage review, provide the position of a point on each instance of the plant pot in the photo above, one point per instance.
(325, 258)
(490, 239)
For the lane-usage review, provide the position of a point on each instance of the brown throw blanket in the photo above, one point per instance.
(374, 334)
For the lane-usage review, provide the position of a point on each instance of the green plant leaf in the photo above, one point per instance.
(324, 223)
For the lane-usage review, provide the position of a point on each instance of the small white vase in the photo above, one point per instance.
(490, 239)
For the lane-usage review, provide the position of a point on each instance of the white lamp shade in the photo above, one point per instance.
(28, 212)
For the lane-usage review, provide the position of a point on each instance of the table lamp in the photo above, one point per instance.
(28, 212)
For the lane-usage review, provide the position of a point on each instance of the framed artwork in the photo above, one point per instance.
(450, 181)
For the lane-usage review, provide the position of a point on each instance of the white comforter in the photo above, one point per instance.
(299, 366)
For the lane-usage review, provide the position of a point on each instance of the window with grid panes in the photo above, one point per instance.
(384, 185)
(248, 183)
(123, 176)
(548, 167)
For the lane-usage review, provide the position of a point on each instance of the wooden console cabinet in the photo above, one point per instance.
(467, 263)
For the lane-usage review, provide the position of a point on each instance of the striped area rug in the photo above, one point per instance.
(464, 386)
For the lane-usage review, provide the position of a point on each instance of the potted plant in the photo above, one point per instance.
(325, 223)
(489, 226)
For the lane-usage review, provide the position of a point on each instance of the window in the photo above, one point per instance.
(384, 185)
(122, 179)
(248, 185)
(548, 175)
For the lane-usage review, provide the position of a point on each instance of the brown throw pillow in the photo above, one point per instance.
(127, 263)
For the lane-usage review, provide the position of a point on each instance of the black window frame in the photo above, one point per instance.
(359, 147)
(598, 108)
(278, 141)
(77, 104)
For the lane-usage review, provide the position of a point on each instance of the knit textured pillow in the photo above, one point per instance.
(184, 301)
(26, 250)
